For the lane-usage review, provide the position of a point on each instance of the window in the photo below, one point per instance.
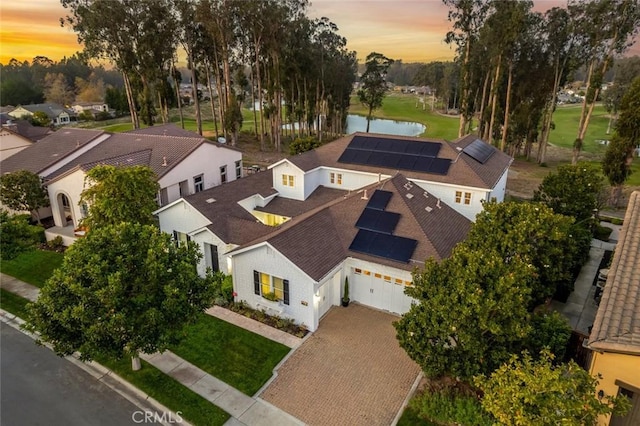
(180, 238)
(223, 174)
(387, 278)
(287, 180)
(213, 257)
(238, 169)
(378, 275)
(198, 183)
(265, 283)
(367, 273)
(399, 281)
(467, 197)
(336, 178)
(358, 271)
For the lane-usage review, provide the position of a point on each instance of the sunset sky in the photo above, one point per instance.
(411, 30)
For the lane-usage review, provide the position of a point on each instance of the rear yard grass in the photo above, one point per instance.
(33, 267)
(234, 355)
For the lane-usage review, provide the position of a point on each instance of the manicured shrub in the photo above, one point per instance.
(447, 407)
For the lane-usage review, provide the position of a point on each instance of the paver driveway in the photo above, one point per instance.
(351, 371)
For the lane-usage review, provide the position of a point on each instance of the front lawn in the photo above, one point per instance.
(13, 303)
(192, 407)
(234, 355)
(33, 267)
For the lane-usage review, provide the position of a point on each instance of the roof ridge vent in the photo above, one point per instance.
(210, 200)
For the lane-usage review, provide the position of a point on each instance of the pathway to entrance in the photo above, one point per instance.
(351, 371)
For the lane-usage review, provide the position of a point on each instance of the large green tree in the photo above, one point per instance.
(573, 190)
(619, 156)
(373, 82)
(120, 194)
(550, 242)
(17, 235)
(471, 313)
(524, 391)
(22, 190)
(122, 290)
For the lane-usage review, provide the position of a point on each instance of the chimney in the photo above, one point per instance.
(364, 197)
(164, 161)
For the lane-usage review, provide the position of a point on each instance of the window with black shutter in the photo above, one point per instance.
(286, 292)
(256, 282)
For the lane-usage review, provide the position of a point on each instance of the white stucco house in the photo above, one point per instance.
(184, 162)
(366, 207)
(11, 142)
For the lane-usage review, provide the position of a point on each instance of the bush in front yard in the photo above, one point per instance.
(17, 235)
(448, 407)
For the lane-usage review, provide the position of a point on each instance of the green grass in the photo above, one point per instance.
(566, 120)
(13, 303)
(169, 392)
(236, 356)
(410, 418)
(33, 267)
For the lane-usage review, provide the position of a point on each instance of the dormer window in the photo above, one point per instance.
(288, 180)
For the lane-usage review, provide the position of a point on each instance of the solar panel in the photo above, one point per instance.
(359, 142)
(407, 162)
(347, 156)
(388, 246)
(440, 166)
(429, 149)
(479, 151)
(423, 164)
(378, 221)
(379, 199)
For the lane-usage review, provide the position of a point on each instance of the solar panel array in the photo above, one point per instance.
(376, 226)
(479, 151)
(396, 154)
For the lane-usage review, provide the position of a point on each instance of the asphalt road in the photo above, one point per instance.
(39, 388)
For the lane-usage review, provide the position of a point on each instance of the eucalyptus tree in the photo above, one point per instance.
(373, 82)
(624, 71)
(559, 44)
(604, 28)
(468, 17)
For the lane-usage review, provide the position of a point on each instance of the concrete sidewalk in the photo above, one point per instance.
(244, 410)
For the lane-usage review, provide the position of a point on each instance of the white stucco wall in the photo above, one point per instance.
(206, 160)
(268, 260)
(10, 143)
(72, 186)
(498, 192)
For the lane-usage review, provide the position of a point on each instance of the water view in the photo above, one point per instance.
(356, 123)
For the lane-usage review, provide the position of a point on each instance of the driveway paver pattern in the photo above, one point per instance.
(351, 371)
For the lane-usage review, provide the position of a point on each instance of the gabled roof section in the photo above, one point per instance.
(616, 327)
(461, 171)
(162, 152)
(49, 150)
(170, 129)
(52, 110)
(318, 240)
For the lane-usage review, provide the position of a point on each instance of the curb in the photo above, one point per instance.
(102, 374)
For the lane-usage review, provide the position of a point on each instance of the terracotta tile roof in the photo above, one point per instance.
(463, 171)
(123, 147)
(319, 240)
(49, 150)
(617, 324)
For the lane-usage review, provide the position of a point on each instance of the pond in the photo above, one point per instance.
(357, 123)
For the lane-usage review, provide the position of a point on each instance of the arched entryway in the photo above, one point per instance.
(65, 210)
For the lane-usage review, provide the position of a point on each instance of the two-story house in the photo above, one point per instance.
(366, 207)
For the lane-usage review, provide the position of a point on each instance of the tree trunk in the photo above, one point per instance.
(465, 88)
(505, 125)
(213, 107)
(481, 122)
(494, 91)
(577, 144)
(131, 100)
(135, 362)
(194, 90)
(177, 83)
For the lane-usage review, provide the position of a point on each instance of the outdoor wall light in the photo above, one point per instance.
(600, 394)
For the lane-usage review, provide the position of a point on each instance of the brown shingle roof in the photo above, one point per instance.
(49, 150)
(617, 324)
(463, 171)
(120, 145)
(319, 240)
(170, 129)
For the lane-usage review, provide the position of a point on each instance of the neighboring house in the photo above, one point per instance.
(24, 128)
(369, 208)
(615, 337)
(93, 108)
(58, 114)
(184, 162)
(11, 142)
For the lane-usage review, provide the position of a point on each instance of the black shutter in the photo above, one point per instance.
(188, 237)
(175, 238)
(286, 291)
(256, 282)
